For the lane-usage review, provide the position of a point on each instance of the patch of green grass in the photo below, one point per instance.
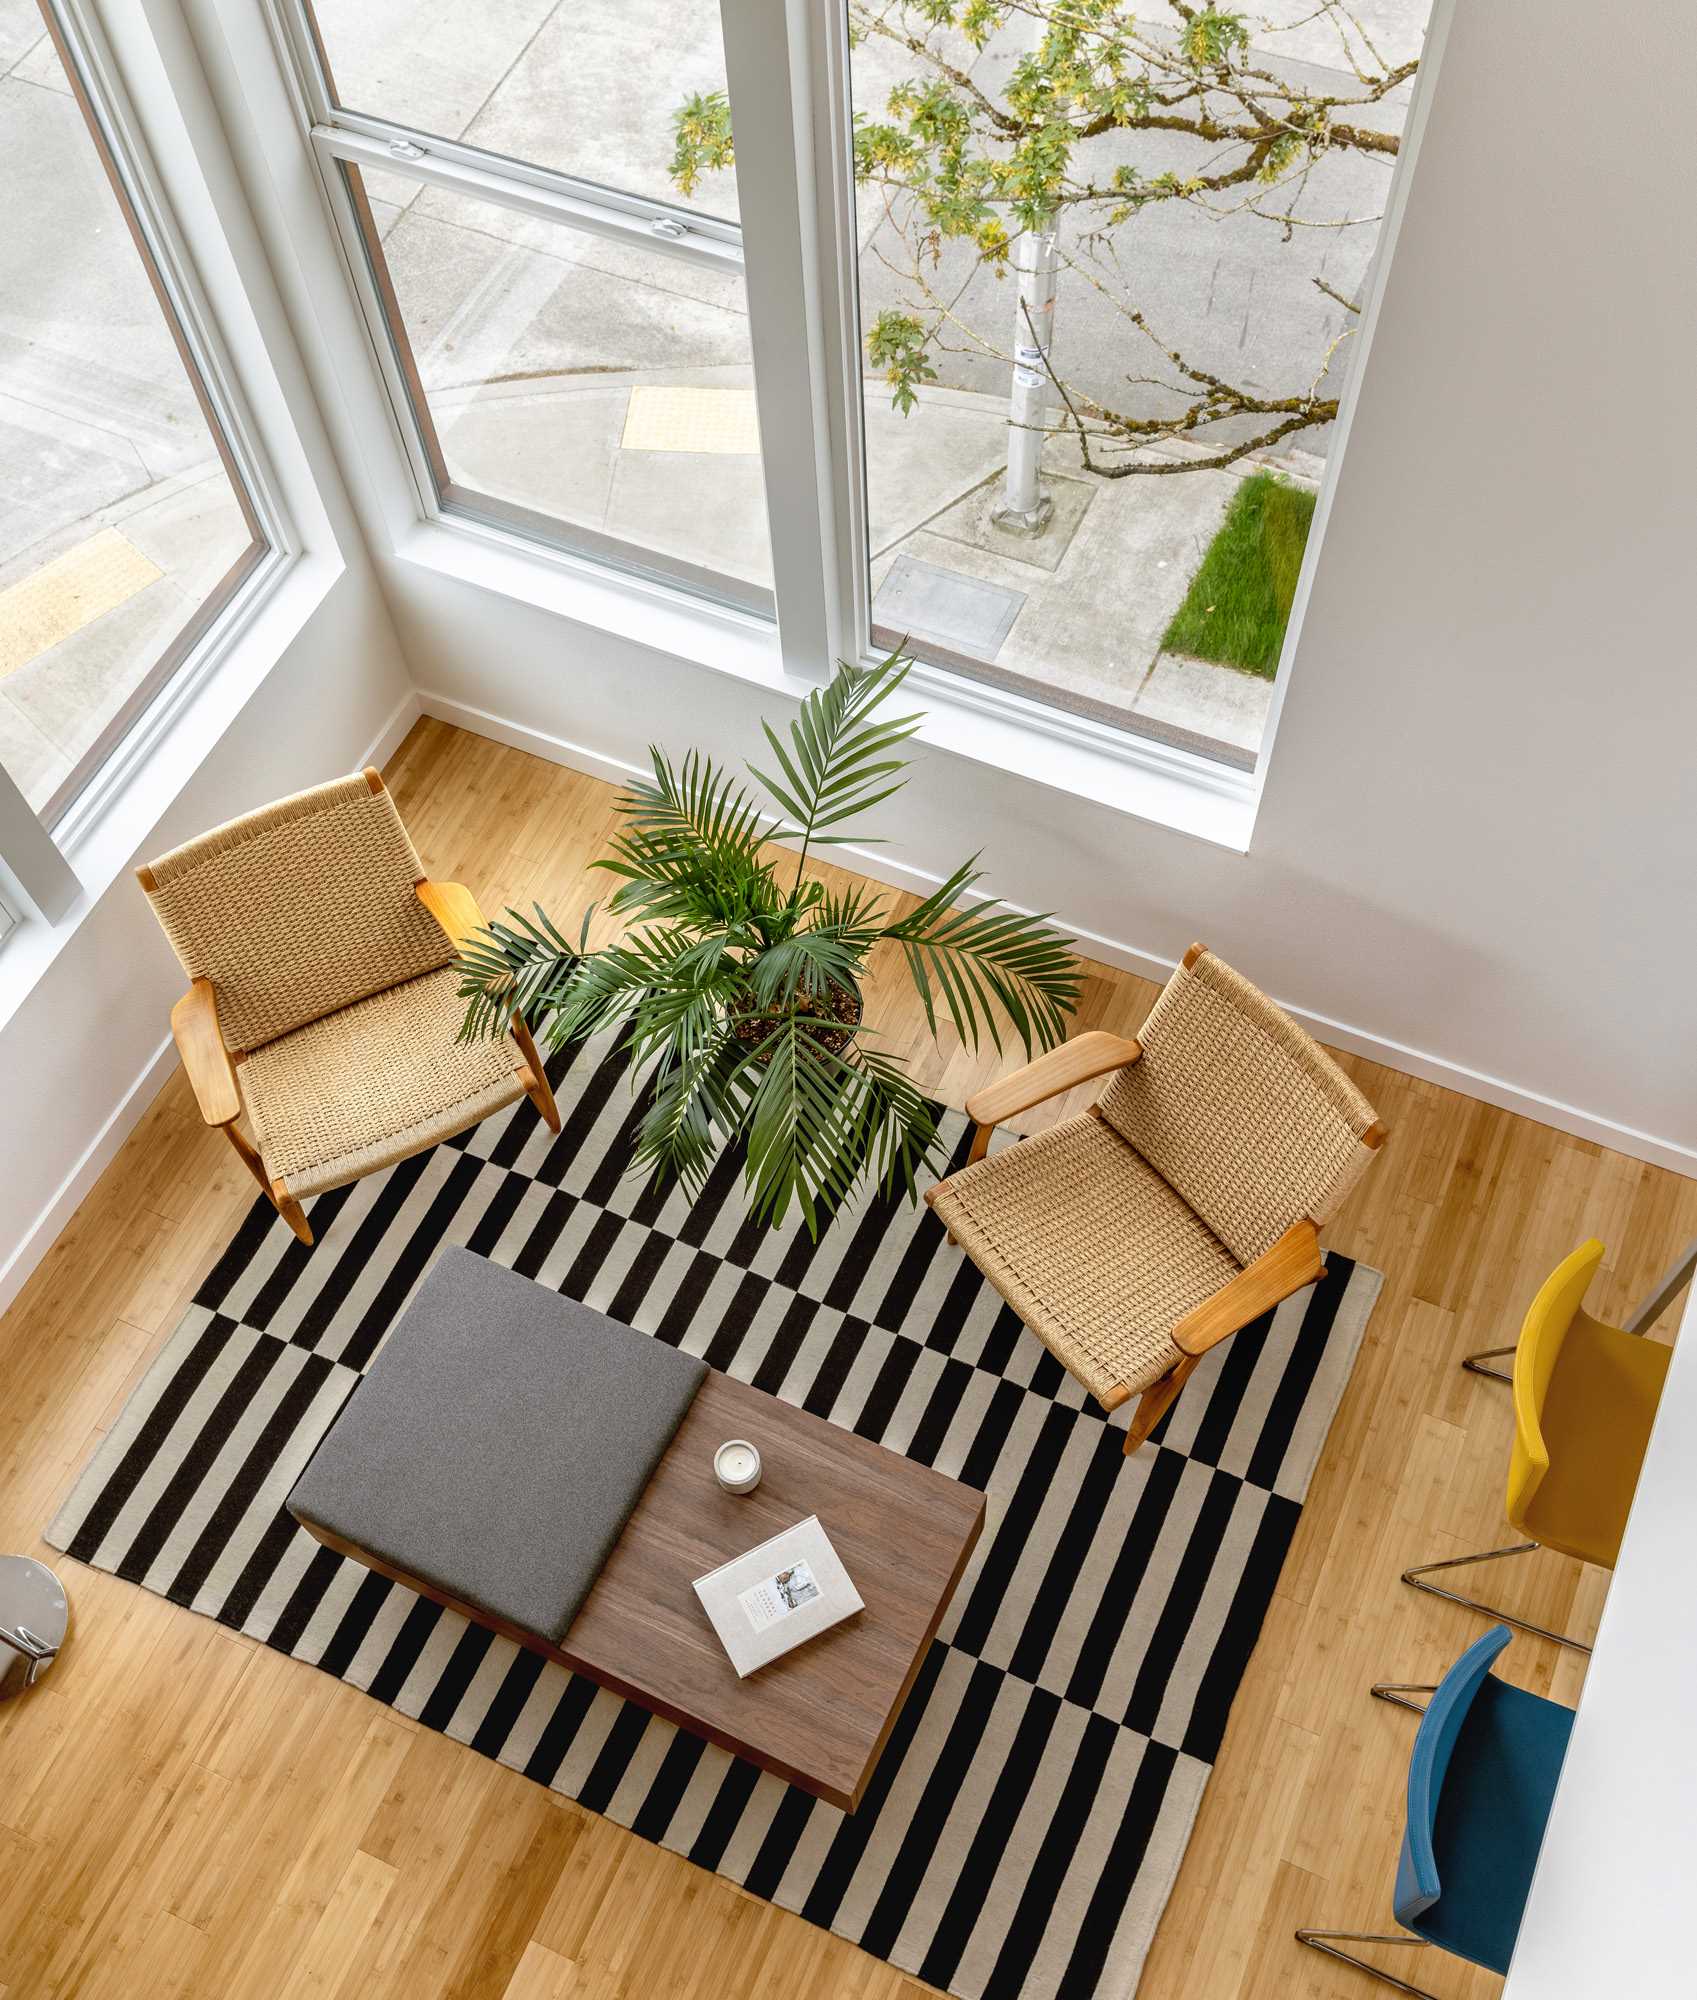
(1238, 604)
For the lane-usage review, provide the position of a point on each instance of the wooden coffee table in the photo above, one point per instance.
(818, 1716)
(821, 1715)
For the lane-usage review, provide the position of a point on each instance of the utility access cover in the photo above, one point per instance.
(960, 612)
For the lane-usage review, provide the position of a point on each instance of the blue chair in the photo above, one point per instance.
(1481, 1781)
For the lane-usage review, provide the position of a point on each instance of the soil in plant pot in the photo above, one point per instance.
(834, 1004)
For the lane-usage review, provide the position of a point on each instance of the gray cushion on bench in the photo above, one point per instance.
(499, 1443)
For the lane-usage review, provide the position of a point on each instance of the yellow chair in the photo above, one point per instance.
(1585, 1396)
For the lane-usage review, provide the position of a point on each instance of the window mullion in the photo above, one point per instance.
(302, 60)
(839, 294)
(34, 862)
(767, 66)
(617, 223)
(668, 223)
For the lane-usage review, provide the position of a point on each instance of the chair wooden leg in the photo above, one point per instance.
(1157, 1400)
(248, 1157)
(536, 1085)
(290, 1210)
(276, 1192)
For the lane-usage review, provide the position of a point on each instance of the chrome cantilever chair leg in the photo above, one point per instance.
(1475, 1363)
(1397, 1693)
(1674, 1281)
(1328, 1942)
(1415, 1579)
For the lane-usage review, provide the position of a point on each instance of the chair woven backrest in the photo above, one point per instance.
(1237, 1109)
(1549, 1319)
(298, 909)
(1418, 1884)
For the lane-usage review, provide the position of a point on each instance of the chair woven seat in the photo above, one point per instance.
(373, 1083)
(1093, 1250)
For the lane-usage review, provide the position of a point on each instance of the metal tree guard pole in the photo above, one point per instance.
(1025, 507)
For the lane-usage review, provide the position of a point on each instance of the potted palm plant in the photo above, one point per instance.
(739, 976)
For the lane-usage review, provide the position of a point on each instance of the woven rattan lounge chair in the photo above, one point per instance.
(320, 1030)
(1182, 1205)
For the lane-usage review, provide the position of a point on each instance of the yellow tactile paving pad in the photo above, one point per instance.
(691, 420)
(68, 593)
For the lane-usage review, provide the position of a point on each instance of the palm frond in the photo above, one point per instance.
(855, 914)
(689, 849)
(808, 961)
(522, 965)
(821, 1122)
(836, 763)
(801, 1129)
(681, 1014)
(988, 959)
(899, 1122)
(662, 978)
(835, 931)
(692, 808)
(696, 1108)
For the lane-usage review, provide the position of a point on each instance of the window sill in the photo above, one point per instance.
(1139, 777)
(103, 838)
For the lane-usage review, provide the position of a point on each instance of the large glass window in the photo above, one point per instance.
(1047, 308)
(583, 389)
(124, 529)
(565, 310)
(1111, 260)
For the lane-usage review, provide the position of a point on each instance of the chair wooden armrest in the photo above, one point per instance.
(1074, 1062)
(454, 907)
(211, 1074)
(1292, 1262)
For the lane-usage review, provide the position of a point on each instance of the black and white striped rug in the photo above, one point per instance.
(1023, 1830)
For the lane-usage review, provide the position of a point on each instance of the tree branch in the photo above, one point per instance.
(1332, 292)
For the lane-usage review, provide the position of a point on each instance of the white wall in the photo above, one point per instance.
(1475, 845)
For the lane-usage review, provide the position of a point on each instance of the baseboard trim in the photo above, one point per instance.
(96, 1156)
(102, 1149)
(1479, 1084)
(394, 731)
(520, 736)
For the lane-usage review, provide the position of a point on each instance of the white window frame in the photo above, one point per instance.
(361, 139)
(45, 882)
(787, 67)
(35, 842)
(437, 497)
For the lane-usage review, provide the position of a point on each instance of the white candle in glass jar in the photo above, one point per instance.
(736, 1466)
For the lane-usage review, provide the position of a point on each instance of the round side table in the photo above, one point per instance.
(34, 1616)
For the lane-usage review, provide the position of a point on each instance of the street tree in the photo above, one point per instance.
(1034, 156)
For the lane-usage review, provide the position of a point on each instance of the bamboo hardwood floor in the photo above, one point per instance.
(184, 1813)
